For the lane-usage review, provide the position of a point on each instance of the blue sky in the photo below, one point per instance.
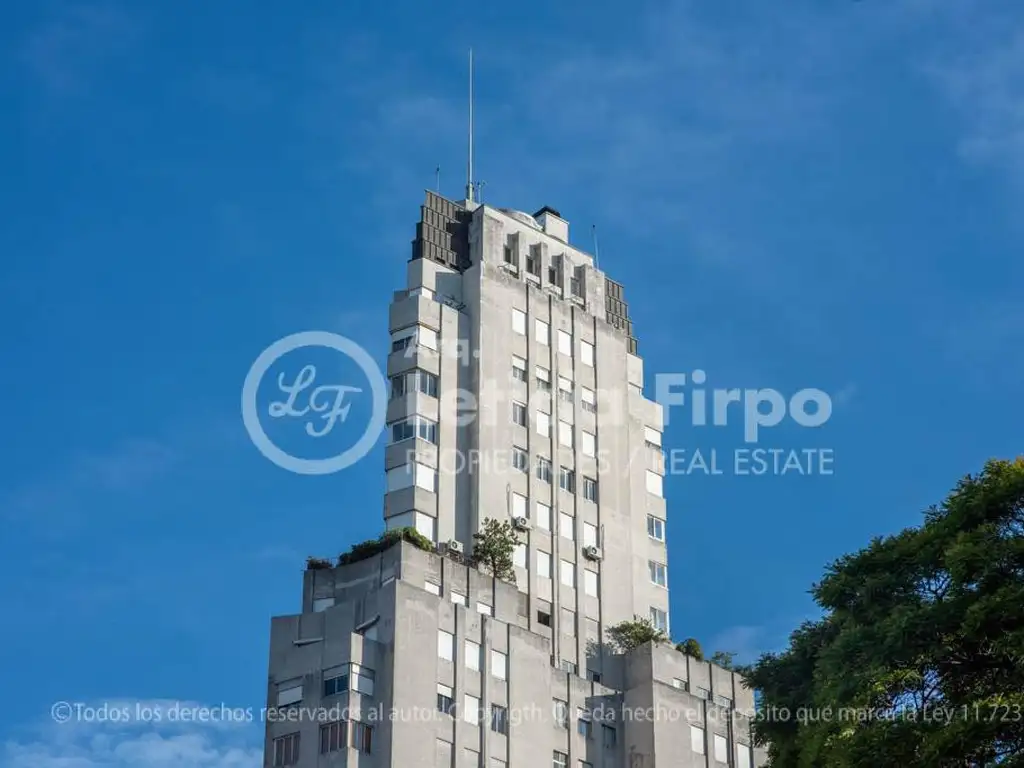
(822, 195)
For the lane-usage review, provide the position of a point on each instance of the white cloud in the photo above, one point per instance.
(986, 88)
(132, 742)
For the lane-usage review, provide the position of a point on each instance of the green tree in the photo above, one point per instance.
(494, 547)
(724, 659)
(918, 659)
(630, 634)
(691, 647)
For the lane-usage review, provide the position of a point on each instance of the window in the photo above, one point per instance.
(652, 438)
(499, 665)
(445, 645)
(286, 750)
(559, 760)
(584, 725)
(742, 756)
(702, 693)
(587, 353)
(544, 618)
(289, 694)
(499, 719)
(679, 683)
(590, 583)
(567, 479)
(588, 400)
(568, 573)
(659, 573)
(655, 528)
(519, 414)
(569, 667)
(544, 469)
(565, 434)
(409, 475)
(443, 752)
(472, 655)
(520, 460)
(593, 676)
(565, 390)
(445, 702)
(608, 737)
(422, 291)
(362, 737)
(589, 535)
(543, 424)
(336, 684)
(541, 332)
(590, 489)
(414, 426)
(519, 556)
(654, 483)
(561, 713)
(697, 739)
(588, 443)
(432, 588)
(533, 260)
(458, 598)
(565, 343)
(471, 709)
(518, 368)
(659, 619)
(484, 609)
(332, 737)
(569, 628)
(362, 679)
(413, 336)
(519, 321)
(721, 749)
(566, 526)
(544, 564)
(543, 378)
(585, 764)
(543, 516)
(413, 381)
(723, 701)
(510, 255)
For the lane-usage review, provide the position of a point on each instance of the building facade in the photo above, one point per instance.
(516, 394)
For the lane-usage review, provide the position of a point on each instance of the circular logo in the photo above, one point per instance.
(332, 412)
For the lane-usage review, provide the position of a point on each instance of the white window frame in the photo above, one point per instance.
(499, 665)
(590, 583)
(654, 483)
(587, 353)
(652, 436)
(655, 526)
(543, 564)
(656, 570)
(445, 645)
(543, 515)
(519, 321)
(566, 526)
(589, 535)
(567, 573)
(520, 505)
(543, 423)
(471, 709)
(697, 739)
(588, 443)
(542, 332)
(474, 654)
(564, 343)
(565, 434)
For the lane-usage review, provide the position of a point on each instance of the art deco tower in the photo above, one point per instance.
(516, 394)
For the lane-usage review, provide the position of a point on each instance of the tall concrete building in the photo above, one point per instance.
(516, 394)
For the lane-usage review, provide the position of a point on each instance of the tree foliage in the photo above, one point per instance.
(724, 659)
(918, 659)
(494, 547)
(630, 634)
(367, 549)
(691, 647)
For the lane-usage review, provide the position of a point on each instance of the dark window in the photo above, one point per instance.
(362, 737)
(499, 719)
(332, 737)
(335, 685)
(608, 736)
(286, 750)
(544, 619)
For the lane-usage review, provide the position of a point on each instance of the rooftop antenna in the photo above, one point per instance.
(480, 191)
(597, 255)
(437, 177)
(469, 159)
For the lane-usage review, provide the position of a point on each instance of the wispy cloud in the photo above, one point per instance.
(985, 85)
(231, 741)
(68, 48)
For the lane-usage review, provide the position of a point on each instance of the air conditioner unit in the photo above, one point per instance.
(592, 553)
(521, 523)
(455, 546)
